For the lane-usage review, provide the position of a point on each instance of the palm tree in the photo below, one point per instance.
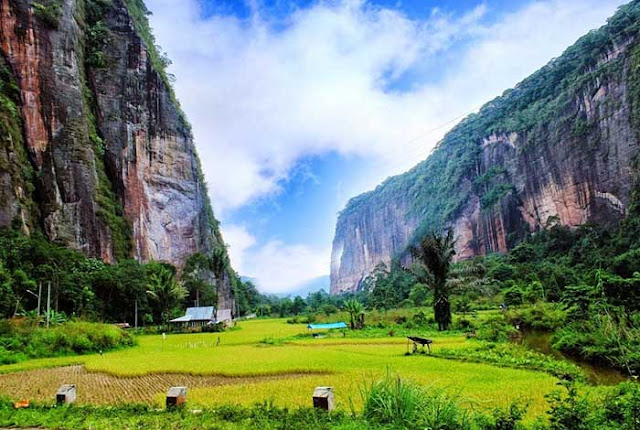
(470, 276)
(434, 255)
(356, 313)
(166, 291)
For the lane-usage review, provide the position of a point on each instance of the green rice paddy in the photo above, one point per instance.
(264, 360)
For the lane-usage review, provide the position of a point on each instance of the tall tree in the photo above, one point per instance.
(165, 290)
(434, 256)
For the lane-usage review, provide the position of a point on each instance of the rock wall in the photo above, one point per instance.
(150, 156)
(45, 63)
(103, 160)
(363, 239)
(571, 160)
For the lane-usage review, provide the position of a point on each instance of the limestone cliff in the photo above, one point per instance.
(561, 147)
(95, 151)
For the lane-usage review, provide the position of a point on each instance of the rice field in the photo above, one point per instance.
(250, 365)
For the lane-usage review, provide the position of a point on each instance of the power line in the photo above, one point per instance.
(423, 153)
(585, 112)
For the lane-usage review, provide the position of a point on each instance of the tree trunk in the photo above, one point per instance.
(442, 310)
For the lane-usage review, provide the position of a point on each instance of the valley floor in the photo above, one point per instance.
(264, 360)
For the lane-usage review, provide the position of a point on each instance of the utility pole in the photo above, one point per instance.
(39, 296)
(48, 303)
(136, 317)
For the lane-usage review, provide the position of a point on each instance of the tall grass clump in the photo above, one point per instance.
(20, 341)
(395, 402)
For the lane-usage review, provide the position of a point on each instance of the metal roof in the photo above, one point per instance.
(204, 313)
(326, 326)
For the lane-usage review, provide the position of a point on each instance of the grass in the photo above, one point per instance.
(510, 355)
(21, 340)
(261, 417)
(403, 404)
(343, 363)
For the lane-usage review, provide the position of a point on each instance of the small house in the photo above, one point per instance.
(197, 317)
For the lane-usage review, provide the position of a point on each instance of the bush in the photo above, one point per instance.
(49, 12)
(602, 341)
(620, 409)
(20, 340)
(329, 309)
(501, 419)
(496, 329)
(214, 328)
(420, 319)
(502, 272)
(395, 402)
(513, 296)
(541, 316)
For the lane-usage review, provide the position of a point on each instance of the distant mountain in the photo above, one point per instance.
(317, 284)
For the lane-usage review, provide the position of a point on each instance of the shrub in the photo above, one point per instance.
(420, 319)
(22, 341)
(501, 419)
(619, 409)
(513, 296)
(214, 328)
(329, 309)
(496, 329)
(568, 411)
(502, 272)
(601, 340)
(395, 402)
(541, 316)
(49, 12)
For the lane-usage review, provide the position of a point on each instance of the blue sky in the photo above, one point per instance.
(299, 105)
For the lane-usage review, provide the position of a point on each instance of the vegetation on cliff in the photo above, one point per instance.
(159, 60)
(14, 159)
(441, 186)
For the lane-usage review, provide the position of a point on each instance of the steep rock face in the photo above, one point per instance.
(45, 64)
(95, 151)
(358, 245)
(149, 151)
(562, 147)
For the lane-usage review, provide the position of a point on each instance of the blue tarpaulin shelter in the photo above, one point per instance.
(326, 326)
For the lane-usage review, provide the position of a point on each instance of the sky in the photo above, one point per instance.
(299, 105)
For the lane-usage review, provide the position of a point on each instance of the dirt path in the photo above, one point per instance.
(98, 388)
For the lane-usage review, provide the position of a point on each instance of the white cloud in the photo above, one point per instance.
(239, 240)
(278, 267)
(260, 98)
(261, 95)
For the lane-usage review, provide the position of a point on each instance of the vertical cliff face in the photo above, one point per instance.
(359, 246)
(562, 147)
(44, 59)
(95, 151)
(149, 153)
